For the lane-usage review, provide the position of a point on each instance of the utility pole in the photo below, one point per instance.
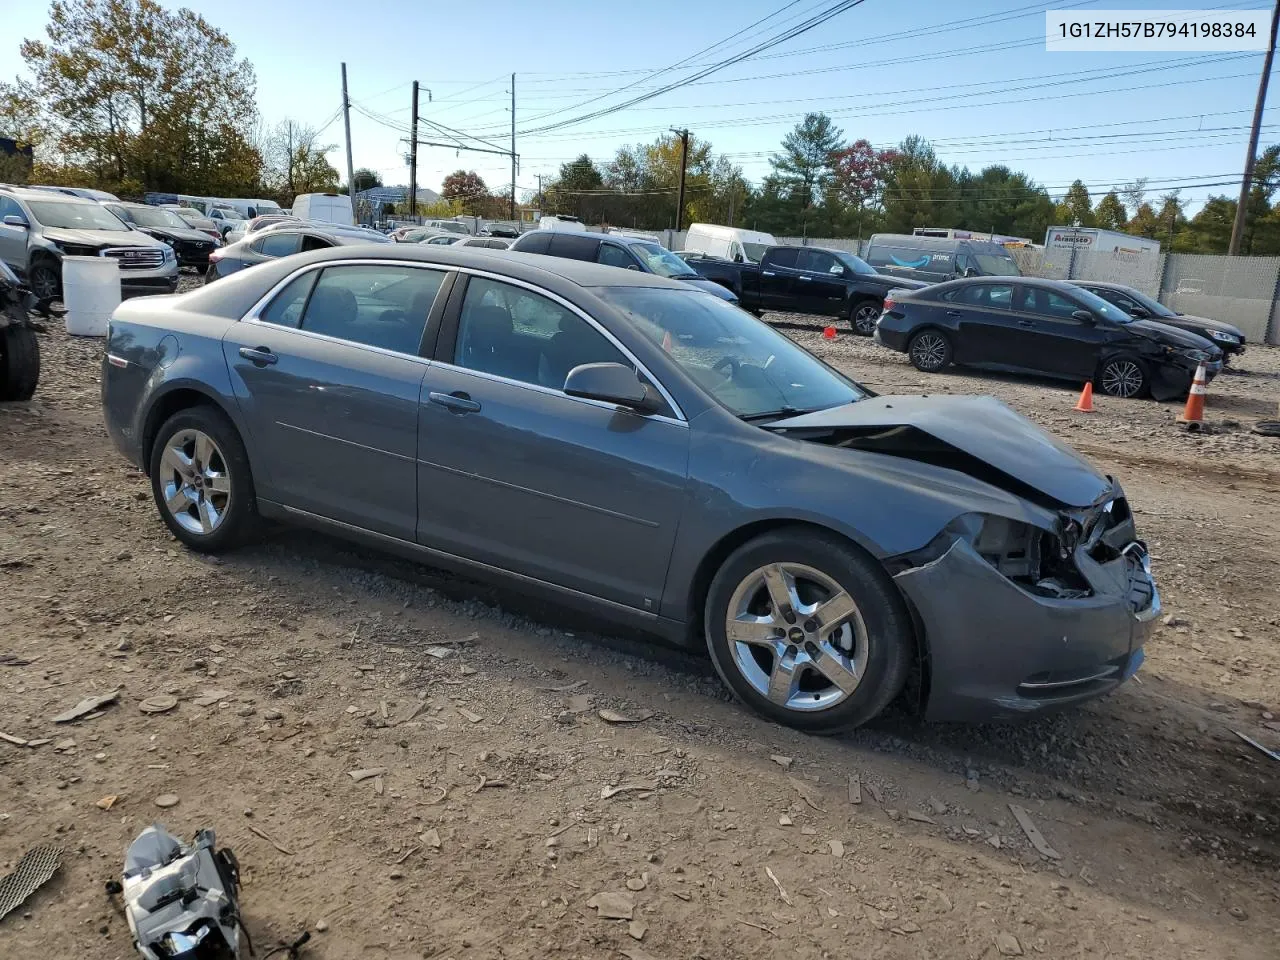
(539, 193)
(1246, 184)
(413, 155)
(346, 120)
(513, 143)
(684, 163)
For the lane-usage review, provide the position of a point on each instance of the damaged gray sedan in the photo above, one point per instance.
(619, 442)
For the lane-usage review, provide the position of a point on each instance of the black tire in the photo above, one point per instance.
(19, 363)
(239, 512)
(888, 632)
(1124, 376)
(863, 316)
(45, 279)
(929, 350)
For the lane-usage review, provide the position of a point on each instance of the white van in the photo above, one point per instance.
(327, 207)
(728, 243)
(562, 223)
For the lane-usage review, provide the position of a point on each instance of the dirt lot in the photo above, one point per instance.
(495, 823)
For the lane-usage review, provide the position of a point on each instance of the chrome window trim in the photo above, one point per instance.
(253, 316)
(572, 308)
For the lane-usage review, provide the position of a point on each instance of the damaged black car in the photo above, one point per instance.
(619, 442)
(1045, 327)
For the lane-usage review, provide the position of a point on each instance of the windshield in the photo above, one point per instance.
(993, 265)
(662, 261)
(1154, 307)
(155, 217)
(754, 251)
(75, 216)
(855, 264)
(186, 213)
(1100, 306)
(740, 361)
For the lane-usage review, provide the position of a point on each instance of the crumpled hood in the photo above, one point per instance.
(978, 436)
(1173, 336)
(101, 238)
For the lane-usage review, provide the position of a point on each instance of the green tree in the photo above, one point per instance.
(1076, 209)
(920, 190)
(1170, 218)
(1209, 231)
(1111, 214)
(295, 162)
(366, 179)
(1143, 223)
(806, 157)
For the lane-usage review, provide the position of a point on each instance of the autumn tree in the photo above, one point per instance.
(858, 176)
(1111, 214)
(468, 189)
(133, 93)
(296, 162)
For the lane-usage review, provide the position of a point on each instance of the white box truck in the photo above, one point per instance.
(1123, 247)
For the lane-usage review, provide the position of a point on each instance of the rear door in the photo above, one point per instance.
(328, 377)
(777, 278)
(819, 283)
(1048, 338)
(983, 315)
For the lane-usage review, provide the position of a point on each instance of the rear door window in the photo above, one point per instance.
(992, 296)
(535, 242)
(378, 305)
(573, 246)
(277, 244)
(781, 257)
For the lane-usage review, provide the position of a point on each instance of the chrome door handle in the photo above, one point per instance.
(457, 402)
(261, 356)
(767, 273)
(803, 277)
(954, 313)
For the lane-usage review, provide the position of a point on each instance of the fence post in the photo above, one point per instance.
(1164, 273)
(1275, 293)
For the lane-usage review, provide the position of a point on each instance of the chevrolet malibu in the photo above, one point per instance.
(618, 441)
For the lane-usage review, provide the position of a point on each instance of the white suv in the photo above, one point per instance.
(38, 228)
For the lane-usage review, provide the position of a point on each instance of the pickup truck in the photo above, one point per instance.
(813, 280)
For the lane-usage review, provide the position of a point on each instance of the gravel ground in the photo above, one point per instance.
(495, 823)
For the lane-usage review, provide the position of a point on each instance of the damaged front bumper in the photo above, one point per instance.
(996, 649)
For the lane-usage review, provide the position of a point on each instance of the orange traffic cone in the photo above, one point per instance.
(829, 333)
(666, 341)
(1085, 403)
(1193, 414)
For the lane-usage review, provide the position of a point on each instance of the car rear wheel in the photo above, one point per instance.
(201, 482)
(808, 631)
(929, 350)
(45, 280)
(1123, 377)
(19, 363)
(863, 317)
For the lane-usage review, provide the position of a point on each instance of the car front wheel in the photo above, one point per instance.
(201, 482)
(929, 350)
(45, 280)
(19, 362)
(1123, 377)
(808, 631)
(864, 316)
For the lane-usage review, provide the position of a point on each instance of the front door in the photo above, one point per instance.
(1048, 337)
(819, 283)
(328, 377)
(515, 473)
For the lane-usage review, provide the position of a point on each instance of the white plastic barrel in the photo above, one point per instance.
(90, 292)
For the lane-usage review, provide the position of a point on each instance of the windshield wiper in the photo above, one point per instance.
(778, 414)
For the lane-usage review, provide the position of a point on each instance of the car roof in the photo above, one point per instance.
(31, 193)
(1104, 284)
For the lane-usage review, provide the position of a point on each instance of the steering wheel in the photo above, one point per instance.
(729, 362)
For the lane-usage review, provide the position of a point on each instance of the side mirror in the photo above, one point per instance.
(1084, 316)
(1138, 313)
(836, 271)
(13, 220)
(632, 266)
(611, 383)
(970, 272)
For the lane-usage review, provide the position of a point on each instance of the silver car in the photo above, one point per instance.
(621, 442)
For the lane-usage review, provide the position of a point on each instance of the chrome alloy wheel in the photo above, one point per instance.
(797, 637)
(929, 351)
(865, 317)
(194, 481)
(1121, 378)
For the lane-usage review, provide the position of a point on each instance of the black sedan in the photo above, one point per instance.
(191, 246)
(1046, 327)
(1141, 307)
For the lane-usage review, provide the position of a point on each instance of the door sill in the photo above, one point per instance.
(673, 631)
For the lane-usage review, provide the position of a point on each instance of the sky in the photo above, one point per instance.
(973, 78)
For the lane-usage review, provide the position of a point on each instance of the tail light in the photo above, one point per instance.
(889, 303)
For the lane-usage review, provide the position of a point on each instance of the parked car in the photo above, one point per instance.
(447, 226)
(196, 220)
(272, 244)
(936, 259)
(242, 230)
(728, 243)
(191, 246)
(365, 234)
(38, 228)
(442, 239)
(329, 207)
(225, 218)
(506, 231)
(617, 250)
(84, 193)
(492, 243)
(1046, 327)
(812, 280)
(541, 423)
(562, 222)
(249, 209)
(1230, 339)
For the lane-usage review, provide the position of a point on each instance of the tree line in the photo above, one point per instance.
(127, 96)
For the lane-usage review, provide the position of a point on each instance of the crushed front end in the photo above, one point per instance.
(1019, 617)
